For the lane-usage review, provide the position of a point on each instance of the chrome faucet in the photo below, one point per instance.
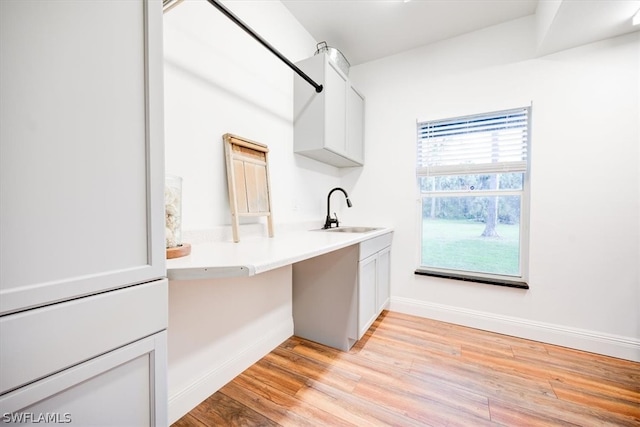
(329, 220)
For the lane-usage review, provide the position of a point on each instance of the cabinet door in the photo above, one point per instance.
(125, 387)
(81, 149)
(355, 125)
(335, 109)
(383, 285)
(367, 309)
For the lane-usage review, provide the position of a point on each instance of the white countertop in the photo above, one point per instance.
(254, 255)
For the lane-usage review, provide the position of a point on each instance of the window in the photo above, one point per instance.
(473, 178)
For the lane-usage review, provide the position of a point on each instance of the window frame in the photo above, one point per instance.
(520, 281)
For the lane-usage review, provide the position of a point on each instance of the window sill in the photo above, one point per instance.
(484, 280)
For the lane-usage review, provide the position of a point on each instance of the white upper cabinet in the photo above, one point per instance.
(81, 149)
(328, 126)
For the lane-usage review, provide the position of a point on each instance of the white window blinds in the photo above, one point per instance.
(485, 143)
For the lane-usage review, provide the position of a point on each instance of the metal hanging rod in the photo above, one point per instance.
(239, 23)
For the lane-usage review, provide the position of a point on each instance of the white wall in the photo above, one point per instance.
(217, 80)
(585, 235)
(218, 328)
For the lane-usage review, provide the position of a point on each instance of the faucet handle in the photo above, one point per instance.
(336, 220)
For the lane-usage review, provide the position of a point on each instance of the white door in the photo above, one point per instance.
(81, 150)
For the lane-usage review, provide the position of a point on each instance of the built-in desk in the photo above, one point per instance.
(254, 255)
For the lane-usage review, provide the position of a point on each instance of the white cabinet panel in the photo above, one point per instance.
(81, 150)
(372, 246)
(126, 387)
(325, 291)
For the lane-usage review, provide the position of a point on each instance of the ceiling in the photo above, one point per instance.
(365, 30)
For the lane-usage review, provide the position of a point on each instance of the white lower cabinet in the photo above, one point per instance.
(337, 296)
(98, 360)
(121, 388)
(373, 280)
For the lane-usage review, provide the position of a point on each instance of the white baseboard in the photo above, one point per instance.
(580, 339)
(185, 400)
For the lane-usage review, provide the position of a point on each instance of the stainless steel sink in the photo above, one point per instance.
(352, 229)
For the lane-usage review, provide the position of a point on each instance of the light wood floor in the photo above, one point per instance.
(410, 371)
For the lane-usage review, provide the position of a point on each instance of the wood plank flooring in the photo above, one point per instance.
(410, 371)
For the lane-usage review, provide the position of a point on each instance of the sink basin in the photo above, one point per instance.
(352, 229)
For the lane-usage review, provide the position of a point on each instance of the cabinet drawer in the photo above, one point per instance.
(40, 342)
(371, 246)
(125, 387)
